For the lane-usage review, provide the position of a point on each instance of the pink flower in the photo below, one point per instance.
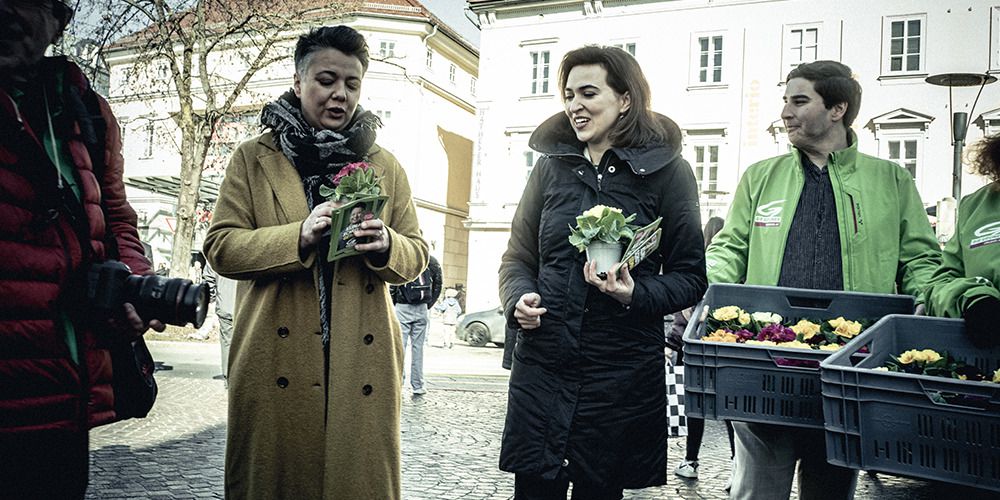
(348, 170)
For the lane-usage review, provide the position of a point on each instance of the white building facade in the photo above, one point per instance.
(717, 67)
(421, 82)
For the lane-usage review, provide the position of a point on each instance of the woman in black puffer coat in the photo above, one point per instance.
(587, 403)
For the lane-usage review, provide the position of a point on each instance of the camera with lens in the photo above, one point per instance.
(174, 301)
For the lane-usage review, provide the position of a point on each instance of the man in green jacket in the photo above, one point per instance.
(823, 216)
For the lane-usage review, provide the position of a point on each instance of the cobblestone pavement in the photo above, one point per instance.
(451, 440)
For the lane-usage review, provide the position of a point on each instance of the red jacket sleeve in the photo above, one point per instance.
(120, 215)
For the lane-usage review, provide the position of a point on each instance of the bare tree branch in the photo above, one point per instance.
(190, 46)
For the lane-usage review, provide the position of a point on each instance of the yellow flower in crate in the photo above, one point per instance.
(830, 347)
(744, 318)
(795, 344)
(881, 368)
(909, 356)
(720, 335)
(727, 313)
(996, 376)
(845, 328)
(761, 342)
(929, 356)
(807, 329)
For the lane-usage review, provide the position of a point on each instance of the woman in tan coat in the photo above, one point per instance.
(314, 370)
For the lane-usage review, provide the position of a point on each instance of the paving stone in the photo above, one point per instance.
(450, 443)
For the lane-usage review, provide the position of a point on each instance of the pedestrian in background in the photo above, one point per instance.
(223, 292)
(587, 403)
(412, 301)
(63, 208)
(688, 468)
(966, 284)
(314, 386)
(823, 216)
(450, 310)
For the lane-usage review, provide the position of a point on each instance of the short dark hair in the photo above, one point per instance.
(834, 83)
(342, 38)
(638, 125)
(986, 158)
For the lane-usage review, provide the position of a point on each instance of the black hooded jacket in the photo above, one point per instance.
(587, 387)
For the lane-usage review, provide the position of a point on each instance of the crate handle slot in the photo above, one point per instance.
(819, 303)
(790, 361)
(959, 400)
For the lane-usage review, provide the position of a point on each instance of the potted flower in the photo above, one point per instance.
(602, 232)
(355, 181)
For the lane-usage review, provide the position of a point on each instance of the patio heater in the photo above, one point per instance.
(960, 119)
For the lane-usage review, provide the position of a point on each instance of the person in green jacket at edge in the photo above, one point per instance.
(965, 286)
(823, 216)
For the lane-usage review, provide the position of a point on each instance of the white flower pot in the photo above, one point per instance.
(606, 254)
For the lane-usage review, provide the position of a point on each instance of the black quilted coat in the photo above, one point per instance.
(587, 392)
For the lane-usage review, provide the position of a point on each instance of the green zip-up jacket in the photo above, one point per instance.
(970, 267)
(887, 244)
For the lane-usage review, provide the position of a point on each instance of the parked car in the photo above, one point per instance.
(482, 327)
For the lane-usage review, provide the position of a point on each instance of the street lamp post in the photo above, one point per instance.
(960, 119)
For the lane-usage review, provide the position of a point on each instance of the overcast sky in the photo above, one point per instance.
(452, 12)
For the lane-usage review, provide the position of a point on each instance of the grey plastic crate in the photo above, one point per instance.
(913, 425)
(768, 384)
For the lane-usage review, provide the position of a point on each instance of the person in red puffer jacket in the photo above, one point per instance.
(55, 380)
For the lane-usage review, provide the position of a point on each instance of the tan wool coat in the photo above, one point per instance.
(289, 434)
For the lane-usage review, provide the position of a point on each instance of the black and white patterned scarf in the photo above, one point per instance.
(318, 155)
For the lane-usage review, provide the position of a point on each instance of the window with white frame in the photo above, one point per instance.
(386, 48)
(706, 168)
(451, 73)
(990, 121)
(429, 59)
(780, 135)
(903, 45)
(704, 149)
(539, 72)
(626, 46)
(904, 152)
(707, 59)
(900, 135)
(995, 39)
(801, 45)
(472, 85)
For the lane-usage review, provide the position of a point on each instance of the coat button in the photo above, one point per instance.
(611, 169)
(366, 390)
(565, 462)
(370, 288)
(369, 338)
(283, 332)
(282, 382)
(586, 309)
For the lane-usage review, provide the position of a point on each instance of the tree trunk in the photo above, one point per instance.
(193, 150)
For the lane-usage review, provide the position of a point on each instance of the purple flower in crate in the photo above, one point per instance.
(744, 335)
(776, 333)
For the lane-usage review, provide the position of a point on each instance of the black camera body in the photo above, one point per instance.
(174, 301)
